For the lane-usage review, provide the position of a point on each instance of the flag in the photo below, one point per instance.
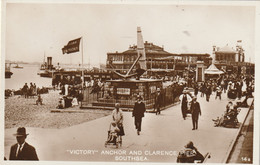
(72, 46)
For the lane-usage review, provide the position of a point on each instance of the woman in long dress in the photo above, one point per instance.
(118, 117)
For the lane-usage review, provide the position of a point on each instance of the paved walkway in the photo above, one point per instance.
(161, 138)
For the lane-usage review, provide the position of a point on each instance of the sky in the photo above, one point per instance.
(37, 29)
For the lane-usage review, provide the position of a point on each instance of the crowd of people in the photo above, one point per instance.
(236, 87)
(29, 91)
(70, 96)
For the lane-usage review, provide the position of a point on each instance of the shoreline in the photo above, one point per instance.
(22, 112)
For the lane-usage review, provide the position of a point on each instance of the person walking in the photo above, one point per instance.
(218, 92)
(158, 101)
(118, 117)
(195, 112)
(138, 113)
(203, 89)
(196, 89)
(184, 98)
(22, 150)
(208, 92)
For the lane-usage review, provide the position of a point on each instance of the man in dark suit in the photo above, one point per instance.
(138, 113)
(195, 112)
(189, 154)
(22, 150)
(158, 101)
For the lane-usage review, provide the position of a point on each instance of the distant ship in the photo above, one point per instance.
(8, 72)
(18, 67)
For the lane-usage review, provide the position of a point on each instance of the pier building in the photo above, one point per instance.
(158, 61)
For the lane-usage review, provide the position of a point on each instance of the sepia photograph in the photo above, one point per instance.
(129, 82)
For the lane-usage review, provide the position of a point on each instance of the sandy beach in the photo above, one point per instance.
(20, 111)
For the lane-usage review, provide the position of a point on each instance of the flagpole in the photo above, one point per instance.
(82, 61)
(82, 68)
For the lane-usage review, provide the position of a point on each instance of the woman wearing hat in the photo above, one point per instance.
(118, 117)
(22, 150)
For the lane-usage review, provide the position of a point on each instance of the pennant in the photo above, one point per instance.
(71, 47)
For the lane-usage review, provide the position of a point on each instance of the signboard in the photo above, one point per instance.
(123, 91)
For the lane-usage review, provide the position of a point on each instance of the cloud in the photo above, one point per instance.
(186, 32)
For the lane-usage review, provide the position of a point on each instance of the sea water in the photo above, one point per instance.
(27, 75)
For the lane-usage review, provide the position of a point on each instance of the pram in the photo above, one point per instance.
(113, 138)
(229, 119)
(232, 94)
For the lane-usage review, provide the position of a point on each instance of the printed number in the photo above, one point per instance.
(245, 159)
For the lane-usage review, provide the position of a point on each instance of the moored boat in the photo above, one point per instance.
(46, 69)
(18, 67)
(8, 72)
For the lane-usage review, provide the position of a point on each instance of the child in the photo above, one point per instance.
(74, 102)
(61, 104)
(113, 132)
(39, 100)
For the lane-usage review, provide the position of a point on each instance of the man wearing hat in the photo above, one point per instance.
(158, 101)
(184, 98)
(189, 154)
(138, 113)
(22, 150)
(195, 112)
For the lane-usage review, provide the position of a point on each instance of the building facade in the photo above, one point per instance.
(158, 61)
(161, 62)
(232, 60)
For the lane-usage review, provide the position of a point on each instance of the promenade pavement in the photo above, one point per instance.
(161, 138)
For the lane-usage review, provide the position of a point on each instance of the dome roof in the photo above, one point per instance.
(226, 49)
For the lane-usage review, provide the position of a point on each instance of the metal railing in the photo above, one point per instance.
(94, 97)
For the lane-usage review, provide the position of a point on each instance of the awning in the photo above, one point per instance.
(212, 69)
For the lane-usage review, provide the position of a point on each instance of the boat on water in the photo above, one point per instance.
(45, 73)
(18, 67)
(8, 72)
(46, 69)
